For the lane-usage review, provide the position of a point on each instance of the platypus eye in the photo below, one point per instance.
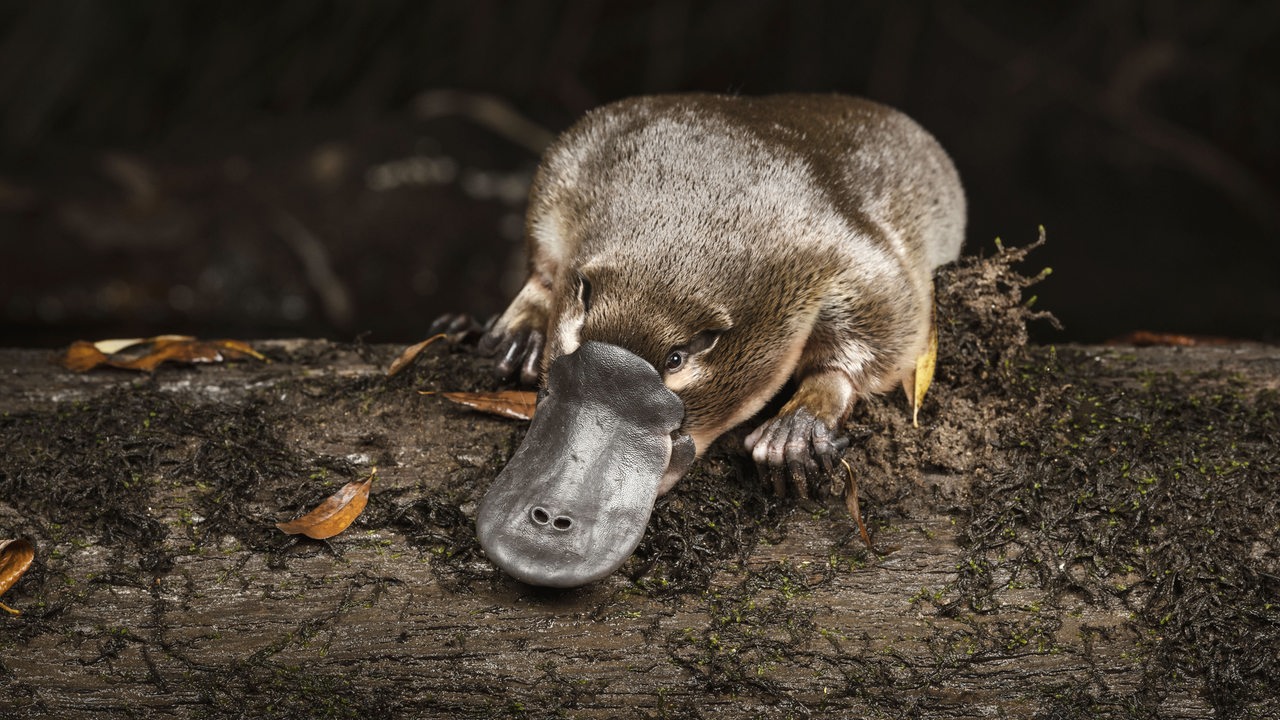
(701, 342)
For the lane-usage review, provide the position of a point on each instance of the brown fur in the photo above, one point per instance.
(804, 228)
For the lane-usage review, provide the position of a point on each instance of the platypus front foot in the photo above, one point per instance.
(460, 327)
(519, 352)
(797, 444)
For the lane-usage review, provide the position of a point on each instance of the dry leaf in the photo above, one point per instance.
(917, 383)
(925, 365)
(335, 514)
(238, 350)
(851, 502)
(84, 356)
(15, 558)
(187, 351)
(114, 346)
(517, 404)
(410, 354)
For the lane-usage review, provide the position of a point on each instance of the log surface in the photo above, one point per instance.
(161, 588)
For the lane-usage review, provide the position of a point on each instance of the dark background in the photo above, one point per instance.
(275, 169)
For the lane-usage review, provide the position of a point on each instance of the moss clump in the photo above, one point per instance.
(1160, 495)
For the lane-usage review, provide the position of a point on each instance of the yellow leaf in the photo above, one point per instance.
(922, 376)
(235, 349)
(925, 365)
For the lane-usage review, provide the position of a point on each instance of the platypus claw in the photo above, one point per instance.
(460, 327)
(518, 352)
(795, 444)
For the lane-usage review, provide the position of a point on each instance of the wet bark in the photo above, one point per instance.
(206, 616)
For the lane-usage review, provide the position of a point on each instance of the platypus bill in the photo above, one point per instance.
(688, 255)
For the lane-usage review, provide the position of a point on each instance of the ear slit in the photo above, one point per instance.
(703, 341)
(584, 292)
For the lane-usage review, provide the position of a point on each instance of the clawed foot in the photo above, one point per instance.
(795, 444)
(459, 327)
(519, 352)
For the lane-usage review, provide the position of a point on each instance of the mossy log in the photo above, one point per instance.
(1072, 532)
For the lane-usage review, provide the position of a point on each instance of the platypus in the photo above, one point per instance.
(688, 255)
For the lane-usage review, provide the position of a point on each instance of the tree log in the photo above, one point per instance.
(162, 588)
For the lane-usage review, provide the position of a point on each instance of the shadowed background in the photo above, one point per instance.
(354, 169)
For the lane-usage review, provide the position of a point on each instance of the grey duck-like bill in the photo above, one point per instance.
(572, 504)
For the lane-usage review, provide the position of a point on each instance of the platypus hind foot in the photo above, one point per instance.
(797, 444)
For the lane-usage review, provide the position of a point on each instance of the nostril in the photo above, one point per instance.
(540, 515)
(562, 523)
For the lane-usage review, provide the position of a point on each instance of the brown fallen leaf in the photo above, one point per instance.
(851, 502)
(238, 349)
(112, 347)
(183, 351)
(335, 514)
(517, 404)
(410, 354)
(83, 356)
(15, 558)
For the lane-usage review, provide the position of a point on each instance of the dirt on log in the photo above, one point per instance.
(1071, 532)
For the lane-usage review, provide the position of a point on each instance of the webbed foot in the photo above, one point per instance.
(797, 444)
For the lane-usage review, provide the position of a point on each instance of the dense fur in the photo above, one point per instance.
(795, 235)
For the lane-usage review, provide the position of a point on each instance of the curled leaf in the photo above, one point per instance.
(851, 502)
(114, 346)
(335, 514)
(517, 404)
(410, 354)
(925, 365)
(238, 349)
(917, 383)
(15, 558)
(84, 356)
